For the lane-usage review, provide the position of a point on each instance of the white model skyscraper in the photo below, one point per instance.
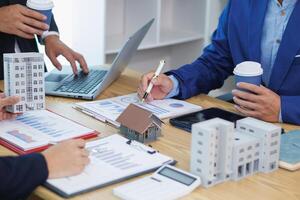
(219, 152)
(24, 77)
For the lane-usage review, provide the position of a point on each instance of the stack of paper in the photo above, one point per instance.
(108, 110)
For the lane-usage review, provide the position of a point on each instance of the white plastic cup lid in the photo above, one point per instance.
(248, 68)
(40, 4)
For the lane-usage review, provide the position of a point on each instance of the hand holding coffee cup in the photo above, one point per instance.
(42, 6)
(248, 72)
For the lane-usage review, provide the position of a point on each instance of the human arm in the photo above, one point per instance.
(206, 73)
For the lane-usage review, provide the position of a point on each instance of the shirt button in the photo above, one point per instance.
(283, 13)
(278, 41)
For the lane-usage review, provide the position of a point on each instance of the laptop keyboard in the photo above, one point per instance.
(82, 83)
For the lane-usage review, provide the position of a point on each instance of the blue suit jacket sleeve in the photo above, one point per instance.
(211, 69)
(19, 176)
(290, 110)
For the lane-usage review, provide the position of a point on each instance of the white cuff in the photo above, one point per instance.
(48, 33)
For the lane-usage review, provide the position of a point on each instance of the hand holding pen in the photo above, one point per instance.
(161, 85)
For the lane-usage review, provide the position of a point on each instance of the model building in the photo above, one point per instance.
(24, 77)
(139, 124)
(219, 152)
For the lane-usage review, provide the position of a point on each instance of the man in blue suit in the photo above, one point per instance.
(19, 176)
(265, 31)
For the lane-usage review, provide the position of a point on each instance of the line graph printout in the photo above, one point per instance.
(111, 108)
(39, 128)
(112, 158)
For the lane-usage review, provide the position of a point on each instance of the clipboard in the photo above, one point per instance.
(62, 186)
(21, 151)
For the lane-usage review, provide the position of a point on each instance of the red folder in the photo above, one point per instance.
(20, 151)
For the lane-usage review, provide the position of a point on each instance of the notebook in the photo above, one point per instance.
(108, 110)
(290, 150)
(113, 159)
(35, 131)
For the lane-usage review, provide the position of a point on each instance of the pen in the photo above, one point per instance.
(156, 74)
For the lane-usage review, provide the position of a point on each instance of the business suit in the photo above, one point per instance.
(19, 176)
(7, 41)
(237, 39)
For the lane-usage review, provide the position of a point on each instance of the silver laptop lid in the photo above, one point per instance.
(124, 56)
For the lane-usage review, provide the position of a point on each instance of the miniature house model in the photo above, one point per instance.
(24, 77)
(139, 124)
(220, 152)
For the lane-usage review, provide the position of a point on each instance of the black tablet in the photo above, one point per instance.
(185, 122)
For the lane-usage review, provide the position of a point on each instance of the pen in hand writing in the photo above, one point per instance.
(156, 74)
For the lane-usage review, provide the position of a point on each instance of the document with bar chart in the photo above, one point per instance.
(113, 159)
(39, 128)
(110, 109)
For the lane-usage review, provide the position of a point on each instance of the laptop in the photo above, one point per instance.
(64, 83)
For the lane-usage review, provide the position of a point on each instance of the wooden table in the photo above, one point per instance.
(279, 185)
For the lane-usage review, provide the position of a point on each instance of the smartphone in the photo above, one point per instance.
(185, 122)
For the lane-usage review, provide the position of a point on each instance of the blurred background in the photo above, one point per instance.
(99, 28)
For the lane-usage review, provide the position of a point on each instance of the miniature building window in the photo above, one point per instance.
(243, 128)
(22, 68)
(34, 74)
(17, 83)
(240, 170)
(272, 165)
(274, 143)
(40, 105)
(40, 74)
(19, 107)
(17, 75)
(199, 151)
(23, 91)
(199, 161)
(23, 98)
(17, 67)
(242, 150)
(199, 170)
(35, 82)
(248, 168)
(241, 159)
(41, 90)
(35, 90)
(249, 147)
(251, 130)
(17, 91)
(22, 75)
(249, 156)
(200, 143)
(34, 67)
(41, 97)
(274, 134)
(40, 81)
(256, 165)
(256, 153)
(257, 145)
(273, 152)
(35, 97)
(200, 133)
(22, 82)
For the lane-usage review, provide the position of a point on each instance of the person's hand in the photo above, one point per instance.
(261, 103)
(67, 158)
(7, 101)
(55, 47)
(162, 86)
(21, 21)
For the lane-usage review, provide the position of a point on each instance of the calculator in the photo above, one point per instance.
(166, 183)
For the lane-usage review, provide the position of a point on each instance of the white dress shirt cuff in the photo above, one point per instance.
(175, 90)
(48, 33)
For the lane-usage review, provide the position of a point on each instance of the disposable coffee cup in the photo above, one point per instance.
(42, 6)
(248, 72)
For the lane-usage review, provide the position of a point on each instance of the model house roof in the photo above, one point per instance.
(138, 119)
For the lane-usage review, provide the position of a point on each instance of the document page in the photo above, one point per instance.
(110, 109)
(112, 159)
(39, 128)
